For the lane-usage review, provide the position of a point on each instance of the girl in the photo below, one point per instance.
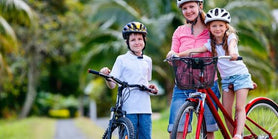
(193, 34)
(223, 41)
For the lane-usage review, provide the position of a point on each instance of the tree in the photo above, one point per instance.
(110, 16)
(15, 12)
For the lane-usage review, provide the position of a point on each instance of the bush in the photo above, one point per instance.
(61, 113)
(55, 105)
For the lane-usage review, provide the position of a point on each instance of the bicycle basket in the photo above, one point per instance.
(188, 70)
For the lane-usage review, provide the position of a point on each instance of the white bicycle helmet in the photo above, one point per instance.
(218, 14)
(180, 2)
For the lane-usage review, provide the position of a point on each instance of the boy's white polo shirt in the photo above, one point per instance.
(129, 68)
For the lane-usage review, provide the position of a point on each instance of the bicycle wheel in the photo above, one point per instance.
(121, 129)
(264, 112)
(187, 114)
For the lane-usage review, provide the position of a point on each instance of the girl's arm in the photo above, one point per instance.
(232, 51)
(193, 50)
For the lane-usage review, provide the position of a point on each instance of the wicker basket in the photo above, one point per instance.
(188, 71)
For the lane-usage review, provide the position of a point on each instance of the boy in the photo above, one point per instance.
(135, 68)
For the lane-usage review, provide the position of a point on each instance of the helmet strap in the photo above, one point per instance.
(193, 22)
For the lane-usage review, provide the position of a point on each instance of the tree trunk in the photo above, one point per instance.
(81, 106)
(32, 79)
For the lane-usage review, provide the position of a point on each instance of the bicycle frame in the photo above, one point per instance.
(116, 111)
(209, 94)
(217, 117)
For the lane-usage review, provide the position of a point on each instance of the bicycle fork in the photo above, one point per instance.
(200, 99)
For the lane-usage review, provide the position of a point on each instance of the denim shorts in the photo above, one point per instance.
(178, 99)
(142, 124)
(239, 81)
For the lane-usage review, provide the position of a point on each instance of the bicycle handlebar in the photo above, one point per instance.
(174, 57)
(229, 57)
(125, 84)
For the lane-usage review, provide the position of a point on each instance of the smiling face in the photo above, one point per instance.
(136, 43)
(218, 28)
(190, 10)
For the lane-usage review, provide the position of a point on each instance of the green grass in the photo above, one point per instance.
(31, 128)
(44, 128)
(159, 126)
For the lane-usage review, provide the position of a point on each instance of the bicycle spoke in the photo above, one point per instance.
(265, 114)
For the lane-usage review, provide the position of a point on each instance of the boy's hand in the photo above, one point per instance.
(154, 89)
(105, 70)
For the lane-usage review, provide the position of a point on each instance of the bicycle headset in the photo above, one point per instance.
(134, 27)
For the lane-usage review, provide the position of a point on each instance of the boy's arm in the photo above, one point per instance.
(195, 50)
(106, 71)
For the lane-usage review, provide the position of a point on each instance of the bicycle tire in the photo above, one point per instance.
(188, 107)
(121, 125)
(264, 112)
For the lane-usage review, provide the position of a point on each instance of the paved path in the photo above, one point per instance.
(102, 122)
(66, 129)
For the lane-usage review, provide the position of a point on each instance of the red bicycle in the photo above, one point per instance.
(199, 73)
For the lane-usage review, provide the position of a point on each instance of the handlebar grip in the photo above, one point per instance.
(93, 71)
(229, 57)
(239, 58)
(145, 88)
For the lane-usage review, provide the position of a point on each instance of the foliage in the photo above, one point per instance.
(73, 36)
(13, 92)
(103, 97)
(61, 113)
(47, 103)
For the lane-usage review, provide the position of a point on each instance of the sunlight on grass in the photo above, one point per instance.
(30, 128)
(89, 128)
(159, 126)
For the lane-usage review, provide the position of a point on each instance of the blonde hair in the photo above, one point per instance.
(229, 31)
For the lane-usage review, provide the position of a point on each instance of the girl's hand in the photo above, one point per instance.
(254, 85)
(105, 70)
(234, 57)
(154, 89)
